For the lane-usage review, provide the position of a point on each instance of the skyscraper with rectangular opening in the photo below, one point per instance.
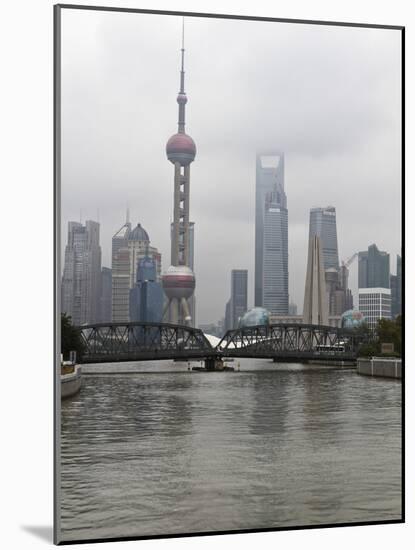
(271, 234)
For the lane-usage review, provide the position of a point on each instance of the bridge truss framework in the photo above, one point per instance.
(300, 341)
(113, 342)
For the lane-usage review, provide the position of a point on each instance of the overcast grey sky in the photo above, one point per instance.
(329, 97)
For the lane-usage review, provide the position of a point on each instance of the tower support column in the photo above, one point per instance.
(176, 215)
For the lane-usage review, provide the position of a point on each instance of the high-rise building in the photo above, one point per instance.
(139, 247)
(146, 297)
(374, 269)
(375, 304)
(81, 281)
(315, 311)
(275, 255)
(323, 225)
(179, 280)
(269, 197)
(106, 295)
(239, 295)
(339, 297)
(120, 264)
(128, 247)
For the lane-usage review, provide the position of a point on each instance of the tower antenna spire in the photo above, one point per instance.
(183, 44)
(181, 98)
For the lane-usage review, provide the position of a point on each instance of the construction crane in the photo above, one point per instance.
(350, 260)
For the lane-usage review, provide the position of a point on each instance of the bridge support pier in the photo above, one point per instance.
(213, 363)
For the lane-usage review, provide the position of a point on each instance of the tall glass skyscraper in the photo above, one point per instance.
(146, 297)
(275, 259)
(271, 234)
(323, 225)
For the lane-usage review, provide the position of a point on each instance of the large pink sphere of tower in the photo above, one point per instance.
(179, 282)
(181, 148)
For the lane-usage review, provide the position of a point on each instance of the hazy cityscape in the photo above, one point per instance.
(92, 293)
(230, 203)
(103, 282)
(353, 164)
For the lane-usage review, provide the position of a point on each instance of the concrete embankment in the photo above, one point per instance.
(71, 383)
(380, 366)
(342, 364)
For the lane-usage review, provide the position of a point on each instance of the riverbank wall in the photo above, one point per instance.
(380, 366)
(342, 364)
(71, 383)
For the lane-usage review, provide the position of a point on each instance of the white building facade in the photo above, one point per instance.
(375, 304)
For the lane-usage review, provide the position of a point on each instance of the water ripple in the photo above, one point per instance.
(171, 452)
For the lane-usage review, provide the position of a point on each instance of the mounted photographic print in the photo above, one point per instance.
(228, 274)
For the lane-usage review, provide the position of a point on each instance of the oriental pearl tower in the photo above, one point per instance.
(179, 280)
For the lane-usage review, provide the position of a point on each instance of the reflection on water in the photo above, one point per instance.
(165, 450)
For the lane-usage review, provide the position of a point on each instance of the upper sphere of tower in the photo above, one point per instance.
(181, 148)
(182, 98)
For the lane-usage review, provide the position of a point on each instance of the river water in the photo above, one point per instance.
(165, 450)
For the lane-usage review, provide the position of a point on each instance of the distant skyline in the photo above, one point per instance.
(328, 97)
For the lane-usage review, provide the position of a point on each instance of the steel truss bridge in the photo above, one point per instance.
(290, 341)
(113, 342)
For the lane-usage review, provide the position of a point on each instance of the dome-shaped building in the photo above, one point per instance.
(254, 317)
(352, 318)
(138, 234)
